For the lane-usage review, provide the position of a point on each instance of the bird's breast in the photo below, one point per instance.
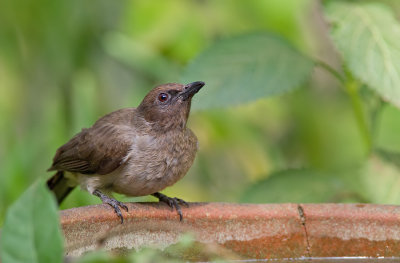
(155, 162)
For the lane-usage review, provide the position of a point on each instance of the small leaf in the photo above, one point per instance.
(304, 186)
(368, 37)
(31, 231)
(381, 181)
(246, 68)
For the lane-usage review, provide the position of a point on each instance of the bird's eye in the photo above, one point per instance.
(163, 97)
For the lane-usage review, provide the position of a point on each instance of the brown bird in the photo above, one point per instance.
(133, 151)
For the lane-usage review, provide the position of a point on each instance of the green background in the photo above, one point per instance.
(63, 64)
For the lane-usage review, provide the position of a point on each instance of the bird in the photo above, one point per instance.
(131, 151)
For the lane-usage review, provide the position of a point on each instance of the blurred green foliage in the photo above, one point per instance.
(31, 231)
(65, 64)
(331, 136)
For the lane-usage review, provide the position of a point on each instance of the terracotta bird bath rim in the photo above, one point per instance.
(249, 231)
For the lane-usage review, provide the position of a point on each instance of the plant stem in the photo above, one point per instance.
(352, 87)
(376, 111)
(331, 70)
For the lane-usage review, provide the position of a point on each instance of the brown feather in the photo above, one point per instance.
(99, 149)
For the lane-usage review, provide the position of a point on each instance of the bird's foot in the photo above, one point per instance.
(112, 202)
(172, 202)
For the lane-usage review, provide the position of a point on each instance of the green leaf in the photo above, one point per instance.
(381, 181)
(368, 37)
(304, 186)
(246, 68)
(31, 231)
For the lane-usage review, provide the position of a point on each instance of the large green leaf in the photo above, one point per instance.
(31, 231)
(305, 186)
(368, 37)
(246, 68)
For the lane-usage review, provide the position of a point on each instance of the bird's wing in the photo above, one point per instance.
(97, 150)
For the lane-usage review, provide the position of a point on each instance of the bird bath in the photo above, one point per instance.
(246, 231)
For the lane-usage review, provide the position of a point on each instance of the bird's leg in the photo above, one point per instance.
(172, 202)
(112, 202)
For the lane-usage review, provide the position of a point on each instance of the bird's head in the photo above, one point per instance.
(167, 106)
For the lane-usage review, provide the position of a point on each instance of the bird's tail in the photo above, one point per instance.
(58, 184)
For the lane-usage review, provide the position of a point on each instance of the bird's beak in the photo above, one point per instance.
(190, 89)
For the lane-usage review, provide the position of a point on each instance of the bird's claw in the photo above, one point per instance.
(116, 205)
(113, 203)
(172, 202)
